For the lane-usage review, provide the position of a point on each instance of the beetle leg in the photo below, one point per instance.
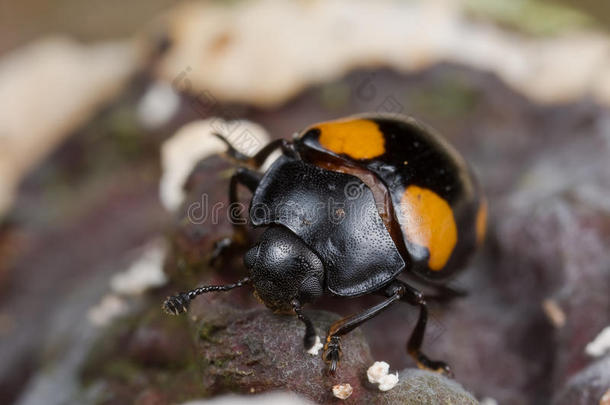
(310, 332)
(445, 294)
(415, 297)
(440, 292)
(259, 158)
(250, 179)
(179, 303)
(332, 347)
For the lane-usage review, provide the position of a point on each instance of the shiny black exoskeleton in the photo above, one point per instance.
(349, 206)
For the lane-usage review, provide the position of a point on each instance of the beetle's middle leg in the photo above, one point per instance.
(250, 179)
(332, 347)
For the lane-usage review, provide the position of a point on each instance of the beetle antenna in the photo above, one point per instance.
(179, 303)
(310, 332)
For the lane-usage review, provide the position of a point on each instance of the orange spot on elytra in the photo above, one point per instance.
(428, 221)
(481, 221)
(358, 139)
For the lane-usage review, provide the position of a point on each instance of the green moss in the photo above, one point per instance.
(334, 96)
(206, 331)
(449, 97)
(108, 357)
(122, 369)
(109, 361)
(105, 348)
(534, 17)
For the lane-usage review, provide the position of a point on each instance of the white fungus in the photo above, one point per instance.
(143, 273)
(605, 399)
(377, 371)
(109, 308)
(489, 401)
(158, 105)
(342, 391)
(378, 374)
(600, 345)
(195, 141)
(388, 381)
(316, 347)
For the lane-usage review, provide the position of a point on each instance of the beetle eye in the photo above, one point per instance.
(310, 289)
(250, 257)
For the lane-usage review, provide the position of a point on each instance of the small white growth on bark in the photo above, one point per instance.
(377, 370)
(388, 381)
(378, 374)
(342, 391)
(316, 347)
(158, 105)
(195, 141)
(110, 307)
(144, 273)
(600, 345)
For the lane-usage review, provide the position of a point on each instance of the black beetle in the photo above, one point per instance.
(349, 206)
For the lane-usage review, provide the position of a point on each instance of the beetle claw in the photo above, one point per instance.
(436, 366)
(332, 354)
(446, 370)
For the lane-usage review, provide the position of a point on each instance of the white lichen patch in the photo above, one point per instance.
(144, 273)
(316, 347)
(600, 345)
(195, 141)
(543, 68)
(62, 83)
(158, 105)
(110, 307)
(388, 381)
(605, 399)
(342, 391)
(377, 371)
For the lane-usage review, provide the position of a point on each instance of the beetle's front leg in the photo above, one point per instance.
(332, 353)
(332, 346)
(250, 179)
(310, 332)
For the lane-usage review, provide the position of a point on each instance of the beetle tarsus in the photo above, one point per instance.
(332, 353)
(437, 366)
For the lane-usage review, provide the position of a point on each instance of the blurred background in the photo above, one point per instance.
(108, 106)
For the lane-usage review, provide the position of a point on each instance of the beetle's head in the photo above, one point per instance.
(283, 268)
